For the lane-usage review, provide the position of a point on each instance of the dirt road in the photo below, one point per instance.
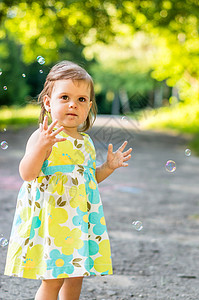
(160, 261)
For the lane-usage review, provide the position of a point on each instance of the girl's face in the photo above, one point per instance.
(69, 102)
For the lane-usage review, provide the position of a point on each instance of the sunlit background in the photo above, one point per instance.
(143, 56)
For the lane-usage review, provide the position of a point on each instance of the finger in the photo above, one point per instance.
(40, 127)
(127, 152)
(51, 126)
(110, 148)
(124, 165)
(57, 131)
(127, 157)
(45, 123)
(60, 140)
(121, 148)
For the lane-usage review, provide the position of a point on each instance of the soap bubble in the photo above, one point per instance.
(41, 71)
(5, 88)
(41, 60)
(124, 120)
(187, 152)
(4, 129)
(170, 166)
(4, 145)
(23, 75)
(1, 71)
(137, 225)
(3, 242)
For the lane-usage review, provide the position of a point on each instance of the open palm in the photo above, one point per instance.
(118, 158)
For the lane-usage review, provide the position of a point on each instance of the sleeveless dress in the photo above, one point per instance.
(59, 229)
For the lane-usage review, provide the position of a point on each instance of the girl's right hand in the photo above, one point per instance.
(47, 137)
(38, 149)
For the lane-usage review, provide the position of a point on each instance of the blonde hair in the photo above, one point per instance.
(68, 70)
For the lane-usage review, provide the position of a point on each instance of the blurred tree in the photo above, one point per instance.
(13, 83)
(20, 83)
(170, 27)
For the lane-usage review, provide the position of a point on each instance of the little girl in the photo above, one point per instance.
(59, 233)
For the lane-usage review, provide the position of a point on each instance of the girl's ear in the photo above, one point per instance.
(46, 100)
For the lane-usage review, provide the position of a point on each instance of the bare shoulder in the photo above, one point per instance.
(32, 140)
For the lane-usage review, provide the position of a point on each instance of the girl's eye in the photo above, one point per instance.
(65, 97)
(82, 99)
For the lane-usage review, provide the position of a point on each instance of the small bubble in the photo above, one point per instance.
(41, 60)
(1, 71)
(4, 145)
(187, 152)
(124, 120)
(137, 225)
(4, 129)
(170, 166)
(41, 71)
(3, 242)
(5, 88)
(23, 75)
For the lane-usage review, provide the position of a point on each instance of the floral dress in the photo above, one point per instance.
(59, 229)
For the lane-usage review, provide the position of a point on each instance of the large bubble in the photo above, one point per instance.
(137, 225)
(41, 60)
(3, 242)
(187, 152)
(170, 166)
(4, 145)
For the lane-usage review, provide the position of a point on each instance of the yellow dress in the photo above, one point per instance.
(59, 229)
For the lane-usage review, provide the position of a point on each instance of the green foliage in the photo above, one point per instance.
(41, 27)
(131, 41)
(13, 86)
(183, 118)
(15, 117)
(194, 145)
(25, 82)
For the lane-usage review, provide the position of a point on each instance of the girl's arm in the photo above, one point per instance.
(114, 160)
(38, 149)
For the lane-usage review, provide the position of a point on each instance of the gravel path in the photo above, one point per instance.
(158, 262)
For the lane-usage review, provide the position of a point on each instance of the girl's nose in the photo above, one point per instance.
(72, 104)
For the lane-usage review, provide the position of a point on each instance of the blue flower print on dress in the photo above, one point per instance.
(45, 164)
(59, 263)
(93, 195)
(22, 191)
(89, 263)
(37, 194)
(81, 220)
(52, 237)
(99, 221)
(92, 189)
(90, 162)
(17, 221)
(92, 248)
(36, 223)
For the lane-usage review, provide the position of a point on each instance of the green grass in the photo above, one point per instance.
(18, 117)
(181, 118)
(194, 144)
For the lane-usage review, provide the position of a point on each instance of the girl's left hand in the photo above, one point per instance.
(116, 159)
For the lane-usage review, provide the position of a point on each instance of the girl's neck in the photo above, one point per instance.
(73, 133)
